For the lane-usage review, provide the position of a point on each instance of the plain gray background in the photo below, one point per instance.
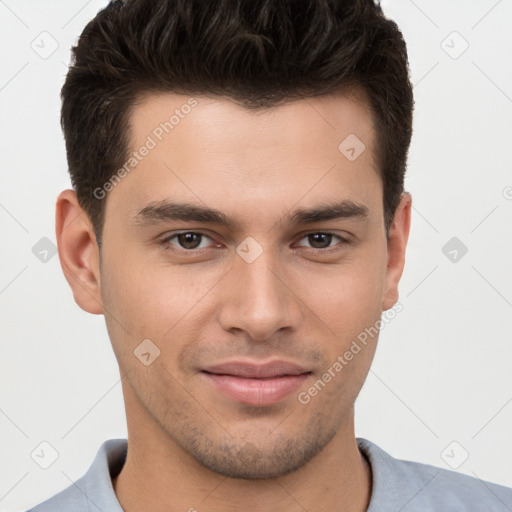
(440, 389)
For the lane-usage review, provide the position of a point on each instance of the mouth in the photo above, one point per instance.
(256, 384)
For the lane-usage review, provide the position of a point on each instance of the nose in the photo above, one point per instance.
(258, 299)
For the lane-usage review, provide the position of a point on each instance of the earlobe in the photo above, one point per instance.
(78, 252)
(397, 244)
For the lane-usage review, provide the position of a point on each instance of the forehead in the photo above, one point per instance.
(221, 119)
(211, 151)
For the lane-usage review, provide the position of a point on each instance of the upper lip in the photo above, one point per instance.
(247, 369)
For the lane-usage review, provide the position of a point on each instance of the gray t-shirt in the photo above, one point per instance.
(398, 486)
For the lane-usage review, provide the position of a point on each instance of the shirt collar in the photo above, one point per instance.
(96, 484)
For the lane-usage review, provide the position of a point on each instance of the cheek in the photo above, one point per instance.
(351, 310)
(348, 301)
(347, 296)
(153, 300)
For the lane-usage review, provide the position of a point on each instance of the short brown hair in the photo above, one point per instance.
(258, 53)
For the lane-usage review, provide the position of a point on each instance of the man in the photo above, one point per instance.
(239, 218)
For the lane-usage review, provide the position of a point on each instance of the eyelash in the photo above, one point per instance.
(166, 242)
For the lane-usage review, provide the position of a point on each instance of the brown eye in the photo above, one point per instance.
(321, 240)
(185, 241)
(189, 240)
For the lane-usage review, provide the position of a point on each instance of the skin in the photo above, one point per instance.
(191, 446)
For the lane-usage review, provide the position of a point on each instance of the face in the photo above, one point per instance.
(242, 256)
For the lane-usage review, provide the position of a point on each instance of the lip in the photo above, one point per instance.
(256, 384)
(248, 369)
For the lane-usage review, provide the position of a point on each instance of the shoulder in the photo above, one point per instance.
(70, 499)
(93, 491)
(411, 486)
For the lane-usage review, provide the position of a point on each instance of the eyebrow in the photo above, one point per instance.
(164, 211)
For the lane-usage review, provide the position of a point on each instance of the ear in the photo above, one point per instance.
(397, 242)
(78, 252)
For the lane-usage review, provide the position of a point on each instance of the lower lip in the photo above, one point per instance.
(257, 391)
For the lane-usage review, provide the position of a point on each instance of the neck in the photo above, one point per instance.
(158, 476)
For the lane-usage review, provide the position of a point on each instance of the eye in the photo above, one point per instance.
(322, 240)
(191, 241)
(186, 241)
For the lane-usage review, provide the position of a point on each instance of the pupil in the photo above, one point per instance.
(317, 237)
(187, 240)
